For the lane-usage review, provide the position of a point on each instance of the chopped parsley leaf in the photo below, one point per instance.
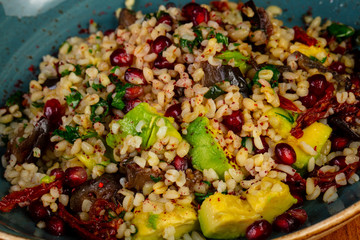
(38, 104)
(99, 118)
(70, 133)
(222, 39)
(274, 81)
(97, 86)
(15, 98)
(214, 92)
(74, 98)
(65, 73)
(155, 179)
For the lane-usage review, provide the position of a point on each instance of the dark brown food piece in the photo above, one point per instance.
(137, 176)
(38, 138)
(221, 73)
(104, 187)
(260, 20)
(126, 18)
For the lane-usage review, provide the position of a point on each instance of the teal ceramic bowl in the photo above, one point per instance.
(32, 29)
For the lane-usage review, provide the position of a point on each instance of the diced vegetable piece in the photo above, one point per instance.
(206, 152)
(340, 31)
(225, 216)
(151, 226)
(270, 198)
(281, 120)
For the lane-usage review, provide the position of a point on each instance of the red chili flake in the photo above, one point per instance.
(18, 83)
(315, 148)
(91, 21)
(301, 36)
(31, 68)
(101, 185)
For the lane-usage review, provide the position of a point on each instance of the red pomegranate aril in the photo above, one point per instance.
(339, 143)
(299, 214)
(55, 226)
(37, 211)
(187, 10)
(129, 105)
(338, 161)
(259, 230)
(285, 223)
(174, 111)
(161, 62)
(309, 100)
(317, 85)
(160, 44)
(285, 154)
(53, 111)
(338, 67)
(134, 76)
(166, 19)
(121, 58)
(265, 145)
(234, 121)
(134, 92)
(180, 163)
(75, 176)
(200, 15)
(58, 173)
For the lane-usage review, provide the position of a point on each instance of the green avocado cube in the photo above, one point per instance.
(270, 198)
(225, 216)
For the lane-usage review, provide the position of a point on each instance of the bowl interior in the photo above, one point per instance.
(25, 40)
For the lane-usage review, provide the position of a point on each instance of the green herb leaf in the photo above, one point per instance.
(184, 43)
(65, 73)
(78, 70)
(15, 98)
(114, 69)
(200, 197)
(89, 134)
(274, 81)
(239, 59)
(47, 179)
(38, 104)
(117, 101)
(214, 92)
(211, 34)
(70, 48)
(155, 179)
(317, 60)
(74, 98)
(222, 39)
(99, 118)
(122, 214)
(243, 142)
(97, 86)
(340, 31)
(70, 134)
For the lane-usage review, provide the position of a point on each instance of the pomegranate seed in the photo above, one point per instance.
(75, 176)
(160, 44)
(299, 214)
(317, 85)
(121, 58)
(108, 32)
(259, 230)
(174, 111)
(161, 62)
(299, 198)
(339, 143)
(134, 76)
(55, 226)
(338, 67)
(53, 111)
(338, 161)
(58, 173)
(309, 100)
(265, 145)
(187, 10)
(296, 183)
(166, 19)
(285, 154)
(37, 211)
(285, 223)
(131, 104)
(180, 163)
(200, 15)
(234, 121)
(134, 92)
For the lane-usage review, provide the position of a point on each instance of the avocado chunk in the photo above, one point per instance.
(142, 121)
(270, 198)
(225, 216)
(151, 226)
(315, 136)
(281, 120)
(206, 153)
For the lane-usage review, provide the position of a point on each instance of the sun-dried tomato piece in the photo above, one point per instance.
(288, 104)
(26, 196)
(302, 37)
